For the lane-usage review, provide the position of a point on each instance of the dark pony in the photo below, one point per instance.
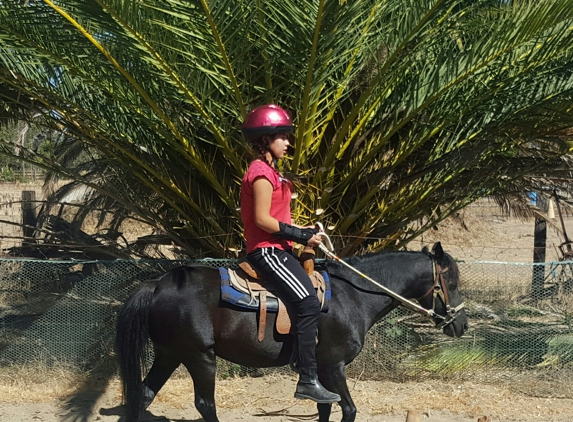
(182, 314)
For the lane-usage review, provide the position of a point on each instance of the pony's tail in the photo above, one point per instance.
(130, 343)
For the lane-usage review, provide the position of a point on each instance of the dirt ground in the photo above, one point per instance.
(489, 236)
(270, 399)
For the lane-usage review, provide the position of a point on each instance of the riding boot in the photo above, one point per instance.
(309, 387)
(293, 362)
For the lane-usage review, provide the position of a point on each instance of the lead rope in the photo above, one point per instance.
(414, 306)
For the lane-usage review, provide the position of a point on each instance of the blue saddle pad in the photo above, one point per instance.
(244, 300)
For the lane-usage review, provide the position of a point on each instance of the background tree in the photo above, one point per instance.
(405, 110)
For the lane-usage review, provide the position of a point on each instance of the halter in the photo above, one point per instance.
(440, 289)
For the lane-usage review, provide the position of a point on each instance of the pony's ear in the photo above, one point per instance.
(437, 250)
(426, 250)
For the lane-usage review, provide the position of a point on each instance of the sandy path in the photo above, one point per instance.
(270, 399)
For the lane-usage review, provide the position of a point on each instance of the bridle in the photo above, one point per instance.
(440, 289)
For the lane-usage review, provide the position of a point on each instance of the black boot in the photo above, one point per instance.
(309, 387)
(293, 362)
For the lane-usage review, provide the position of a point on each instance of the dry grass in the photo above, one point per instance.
(273, 393)
(39, 382)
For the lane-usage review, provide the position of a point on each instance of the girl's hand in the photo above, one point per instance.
(314, 241)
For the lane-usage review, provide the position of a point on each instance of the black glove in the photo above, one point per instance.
(288, 232)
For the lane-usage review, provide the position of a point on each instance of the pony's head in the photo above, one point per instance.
(444, 297)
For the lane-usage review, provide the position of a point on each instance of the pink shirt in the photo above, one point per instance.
(280, 206)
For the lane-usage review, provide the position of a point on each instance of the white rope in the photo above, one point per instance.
(414, 306)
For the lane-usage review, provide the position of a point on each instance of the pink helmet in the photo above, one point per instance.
(266, 119)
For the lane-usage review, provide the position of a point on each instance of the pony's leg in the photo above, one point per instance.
(162, 368)
(333, 378)
(324, 410)
(202, 367)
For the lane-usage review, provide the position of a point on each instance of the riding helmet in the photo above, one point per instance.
(266, 119)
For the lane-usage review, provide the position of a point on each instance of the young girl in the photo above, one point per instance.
(265, 211)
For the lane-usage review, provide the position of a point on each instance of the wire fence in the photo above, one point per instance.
(520, 323)
(490, 233)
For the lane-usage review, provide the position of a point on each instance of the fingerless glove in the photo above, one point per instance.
(296, 234)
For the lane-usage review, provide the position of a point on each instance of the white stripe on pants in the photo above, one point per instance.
(284, 273)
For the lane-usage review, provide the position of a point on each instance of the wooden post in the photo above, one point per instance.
(29, 213)
(413, 416)
(539, 243)
(539, 248)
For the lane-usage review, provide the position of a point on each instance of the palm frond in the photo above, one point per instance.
(405, 110)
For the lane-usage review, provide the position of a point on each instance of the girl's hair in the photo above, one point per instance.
(261, 145)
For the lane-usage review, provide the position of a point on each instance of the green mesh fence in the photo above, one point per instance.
(520, 319)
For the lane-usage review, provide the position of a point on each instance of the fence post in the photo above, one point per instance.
(29, 218)
(539, 248)
(539, 245)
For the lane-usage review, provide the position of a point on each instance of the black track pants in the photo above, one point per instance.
(289, 281)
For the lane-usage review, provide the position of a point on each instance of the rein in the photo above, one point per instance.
(439, 288)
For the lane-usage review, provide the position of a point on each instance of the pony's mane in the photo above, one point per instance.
(381, 254)
(449, 261)
(455, 271)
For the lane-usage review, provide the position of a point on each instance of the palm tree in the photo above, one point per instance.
(405, 110)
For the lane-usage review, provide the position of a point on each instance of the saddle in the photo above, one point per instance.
(245, 288)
